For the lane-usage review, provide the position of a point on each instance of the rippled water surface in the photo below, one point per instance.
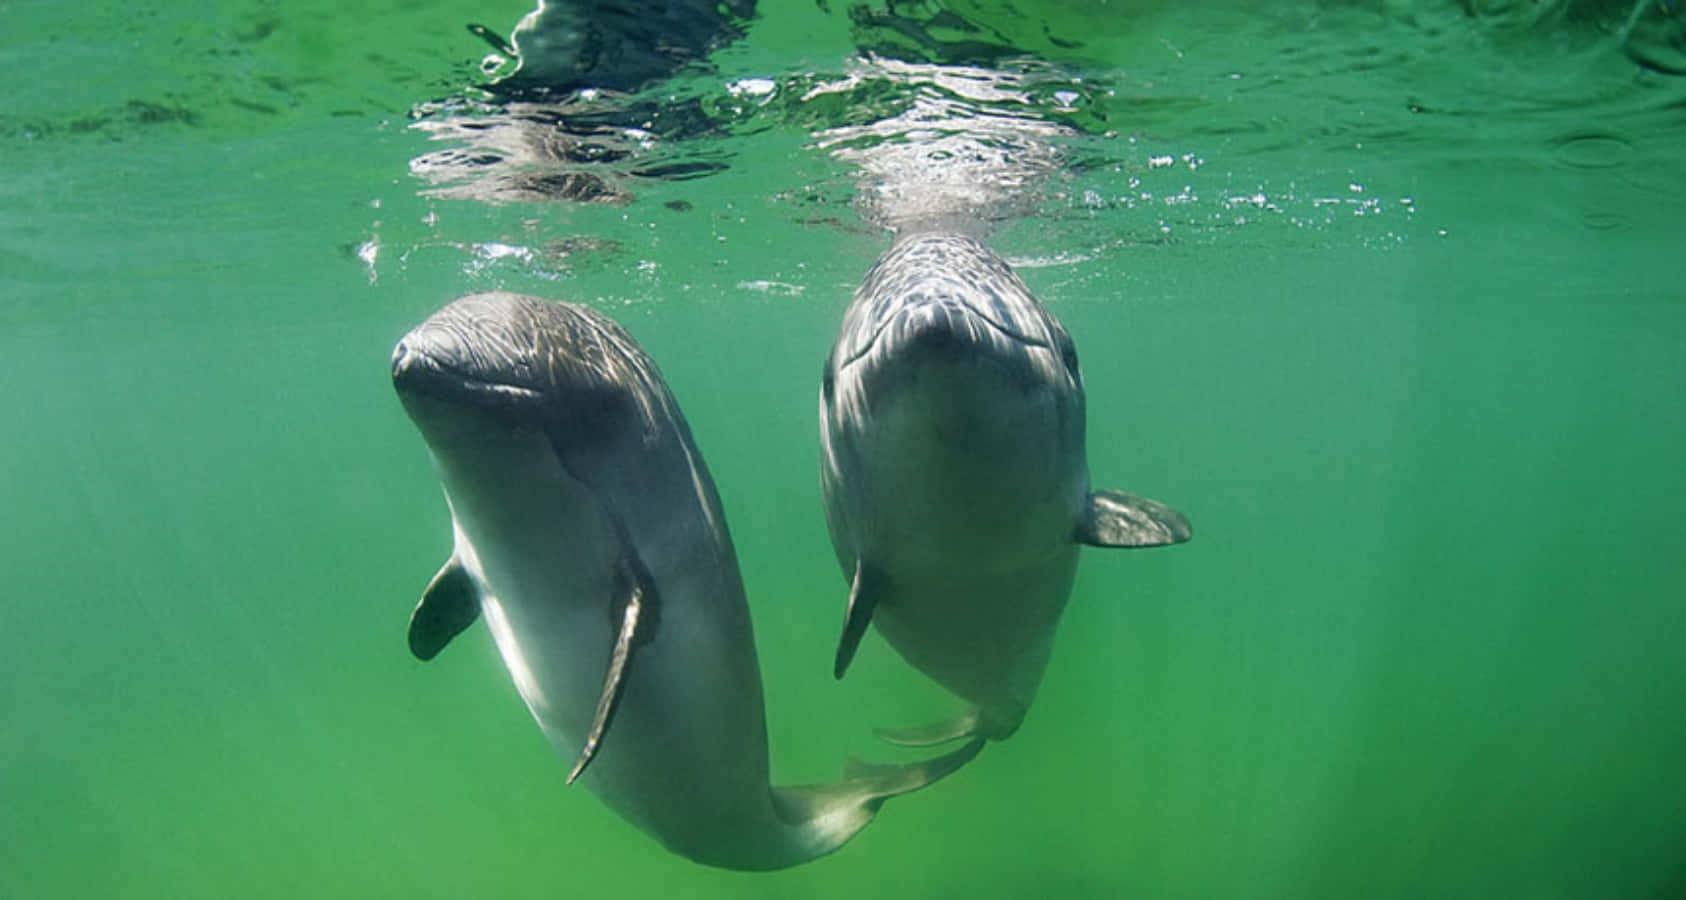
(1387, 298)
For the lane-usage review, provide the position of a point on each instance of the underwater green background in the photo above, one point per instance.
(1388, 299)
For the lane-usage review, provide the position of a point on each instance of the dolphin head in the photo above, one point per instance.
(512, 393)
(479, 351)
(948, 380)
(947, 300)
(521, 361)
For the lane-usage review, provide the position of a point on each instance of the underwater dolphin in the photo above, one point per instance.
(955, 477)
(588, 533)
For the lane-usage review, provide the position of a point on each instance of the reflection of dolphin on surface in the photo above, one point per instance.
(955, 476)
(565, 122)
(588, 532)
(616, 45)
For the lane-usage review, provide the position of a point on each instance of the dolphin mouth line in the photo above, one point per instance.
(995, 326)
(444, 379)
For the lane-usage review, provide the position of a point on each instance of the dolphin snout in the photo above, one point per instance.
(936, 330)
(401, 360)
(415, 370)
(409, 365)
(942, 328)
(420, 369)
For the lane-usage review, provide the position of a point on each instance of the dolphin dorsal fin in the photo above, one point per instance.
(863, 599)
(450, 604)
(1116, 519)
(635, 596)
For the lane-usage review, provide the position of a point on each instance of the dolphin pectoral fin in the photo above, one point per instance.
(863, 599)
(968, 724)
(450, 604)
(1116, 519)
(637, 619)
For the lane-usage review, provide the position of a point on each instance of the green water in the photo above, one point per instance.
(1424, 402)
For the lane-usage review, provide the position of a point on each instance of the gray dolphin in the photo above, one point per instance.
(588, 533)
(955, 477)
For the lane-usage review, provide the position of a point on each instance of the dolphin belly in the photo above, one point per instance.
(953, 468)
(987, 637)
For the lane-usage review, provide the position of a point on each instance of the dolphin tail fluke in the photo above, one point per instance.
(824, 817)
(1116, 519)
(968, 724)
(893, 779)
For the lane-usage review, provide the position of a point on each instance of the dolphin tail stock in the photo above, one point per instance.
(826, 816)
(1116, 519)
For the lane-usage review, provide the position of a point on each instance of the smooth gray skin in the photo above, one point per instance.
(955, 477)
(576, 496)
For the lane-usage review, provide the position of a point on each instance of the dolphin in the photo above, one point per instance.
(588, 534)
(955, 478)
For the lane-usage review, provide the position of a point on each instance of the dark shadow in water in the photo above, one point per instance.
(1674, 886)
(925, 32)
(1651, 32)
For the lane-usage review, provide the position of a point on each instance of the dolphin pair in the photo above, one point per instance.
(588, 534)
(955, 477)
